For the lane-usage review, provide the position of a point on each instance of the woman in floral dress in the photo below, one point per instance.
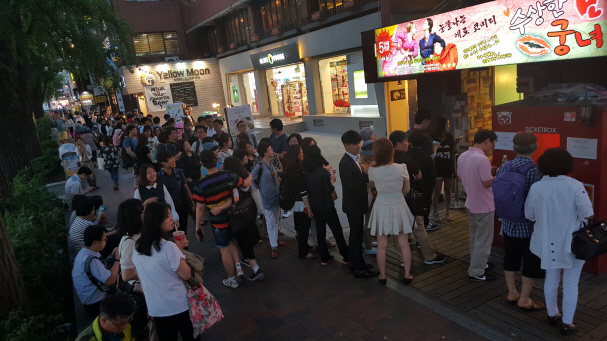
(110, 154)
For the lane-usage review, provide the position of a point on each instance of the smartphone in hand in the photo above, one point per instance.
(102, 209)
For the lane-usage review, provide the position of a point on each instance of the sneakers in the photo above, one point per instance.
(245, 263)
(482, 278)
(274, 253)
(286, 214)
(231, 282)
(373, 251)
(431, 227)
(258, 276)
(239, 275)
(439, 259)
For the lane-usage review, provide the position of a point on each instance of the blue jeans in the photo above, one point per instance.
(114, 174)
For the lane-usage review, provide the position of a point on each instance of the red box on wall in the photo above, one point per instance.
(556, 125)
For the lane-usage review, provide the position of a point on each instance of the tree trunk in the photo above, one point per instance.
(12, 288)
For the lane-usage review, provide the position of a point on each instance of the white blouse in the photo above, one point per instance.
(558, 205)
(167, 199)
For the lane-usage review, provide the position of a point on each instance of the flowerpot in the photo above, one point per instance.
(315, 16)
(255, 38)
(220, 50)
(348, 4)
(232, 46)
(276, 31)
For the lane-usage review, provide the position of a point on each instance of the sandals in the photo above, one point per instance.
(535, 305)
(330, 243)
(436, 218)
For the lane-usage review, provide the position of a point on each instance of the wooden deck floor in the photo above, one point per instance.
(486, 302)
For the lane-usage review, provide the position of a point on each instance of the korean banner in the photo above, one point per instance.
(237, 114)
(175, 111)
(495, 33)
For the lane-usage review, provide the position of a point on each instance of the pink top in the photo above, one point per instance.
(474, 167)
(410, 46)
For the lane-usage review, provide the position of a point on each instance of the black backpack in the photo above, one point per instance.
(286, 197)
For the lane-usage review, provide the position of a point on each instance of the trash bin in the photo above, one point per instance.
(69, 159)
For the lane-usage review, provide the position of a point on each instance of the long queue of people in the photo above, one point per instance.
(232, 182)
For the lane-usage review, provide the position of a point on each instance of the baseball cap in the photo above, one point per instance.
(210, 146)
(367, 148)
(207, 155)
(366, 133)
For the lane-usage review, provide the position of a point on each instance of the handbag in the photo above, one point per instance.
(204, 308)
(415, 201)
(590, 241)
(101, 163)
(243, 213)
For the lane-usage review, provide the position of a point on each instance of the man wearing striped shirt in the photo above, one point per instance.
(517, 236)
(215, 191)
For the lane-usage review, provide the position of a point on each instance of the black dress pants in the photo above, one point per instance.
(302, 226)
(169, 327)
(357, 224)
(329, 217)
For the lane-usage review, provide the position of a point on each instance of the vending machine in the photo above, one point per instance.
(580, 127)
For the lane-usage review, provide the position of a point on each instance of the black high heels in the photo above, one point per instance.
(567, 329)
(382, 281)
(552, 320)
(408, 281)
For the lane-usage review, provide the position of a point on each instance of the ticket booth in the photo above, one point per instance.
(579, 128)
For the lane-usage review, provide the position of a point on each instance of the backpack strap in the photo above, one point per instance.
(89, 274)
(527, 167)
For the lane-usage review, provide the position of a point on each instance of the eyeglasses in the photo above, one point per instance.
(122, 324)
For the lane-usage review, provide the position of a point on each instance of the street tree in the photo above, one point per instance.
(38, 39)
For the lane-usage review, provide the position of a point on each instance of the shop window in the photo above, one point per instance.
(156, 43)
(334, 85)
(287, 90)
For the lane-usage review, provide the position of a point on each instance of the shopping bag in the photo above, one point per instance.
(204, 308)
(101, 163)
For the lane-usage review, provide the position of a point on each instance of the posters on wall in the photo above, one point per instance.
(237, 114)
(495, 33)
(157, 97)
(175, 111)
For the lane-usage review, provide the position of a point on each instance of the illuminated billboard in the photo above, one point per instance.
(495, 33)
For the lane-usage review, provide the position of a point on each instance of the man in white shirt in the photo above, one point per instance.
(200, 132)
(91, 290)
(73, 186)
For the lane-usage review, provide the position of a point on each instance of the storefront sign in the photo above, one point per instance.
(157, 97)
(100, 99)
(237, 114)
(185, 93)
(397, 95)
(120, 101)
(280, 56)
(495, 33)
(149, 78)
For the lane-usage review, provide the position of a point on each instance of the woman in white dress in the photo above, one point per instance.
(390, 214)
(558, 204)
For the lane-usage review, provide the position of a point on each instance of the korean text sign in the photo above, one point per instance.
(495, 33)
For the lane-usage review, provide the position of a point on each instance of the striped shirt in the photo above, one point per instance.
(77, 232)
(525, 229)
(215, 190)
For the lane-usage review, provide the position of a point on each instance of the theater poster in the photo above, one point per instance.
(495, 33)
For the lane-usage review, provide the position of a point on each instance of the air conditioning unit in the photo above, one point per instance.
(172, 59)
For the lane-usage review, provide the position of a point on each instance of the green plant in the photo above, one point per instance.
(47, 166)
(21, 327)
(36, 229)
(49, 144)
(43, 126)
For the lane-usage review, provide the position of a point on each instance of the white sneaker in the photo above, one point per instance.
(286, 214)
(231, 282)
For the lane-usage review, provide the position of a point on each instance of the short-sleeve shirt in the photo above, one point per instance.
(130, 142)
(268, 185)
(76, 232)
(72, 187)
(86, 290)
(214, 190)
(126, 247)
(279, 144)
(165, 293)
(61, 126)
(474, 167)
(402, 158)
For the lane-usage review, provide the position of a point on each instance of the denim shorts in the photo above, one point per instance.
(222, 236)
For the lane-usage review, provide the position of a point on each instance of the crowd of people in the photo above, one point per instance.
(239, 185)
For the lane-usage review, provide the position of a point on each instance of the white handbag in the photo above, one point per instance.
(101, 163)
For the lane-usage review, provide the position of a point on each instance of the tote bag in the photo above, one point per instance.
(204, 308)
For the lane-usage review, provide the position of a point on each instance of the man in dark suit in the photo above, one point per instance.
(355, 204)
